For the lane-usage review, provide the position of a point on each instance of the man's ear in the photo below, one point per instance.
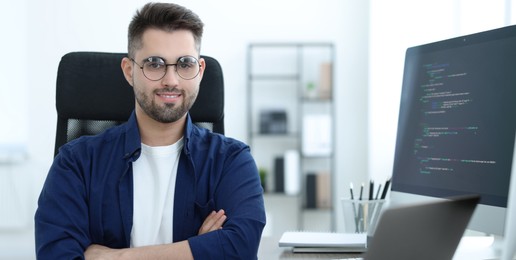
(202, 62)
(127, 69)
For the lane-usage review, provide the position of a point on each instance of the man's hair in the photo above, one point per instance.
(163, 16)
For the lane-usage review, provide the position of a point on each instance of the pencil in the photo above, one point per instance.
(361, 191)
(378, 192)
(351, 190)
(386, 188)
(371, 188)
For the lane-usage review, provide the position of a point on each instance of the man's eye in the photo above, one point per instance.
(154, 65)
(185, 65)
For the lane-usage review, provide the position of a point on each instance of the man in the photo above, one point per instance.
(156, 187)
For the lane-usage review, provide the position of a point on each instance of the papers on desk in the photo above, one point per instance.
(304, 241)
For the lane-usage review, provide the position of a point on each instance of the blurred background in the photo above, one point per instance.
(369, 37)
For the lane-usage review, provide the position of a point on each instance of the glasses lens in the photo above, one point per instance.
(187, 67)
(154, 68)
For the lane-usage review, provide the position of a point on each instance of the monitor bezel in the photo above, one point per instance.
(487, 218)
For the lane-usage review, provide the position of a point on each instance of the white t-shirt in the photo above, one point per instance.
(154, 178)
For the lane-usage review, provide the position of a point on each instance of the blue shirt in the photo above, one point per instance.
(87, 197)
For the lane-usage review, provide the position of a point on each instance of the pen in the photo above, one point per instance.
(386, 188)
(351, 190)
(361, 191)
(371, 188)
(360, 209)
(378, 192)
(353, 205)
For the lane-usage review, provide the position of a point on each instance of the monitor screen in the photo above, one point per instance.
(457, 121)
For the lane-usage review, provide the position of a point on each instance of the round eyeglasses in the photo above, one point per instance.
(154, 68)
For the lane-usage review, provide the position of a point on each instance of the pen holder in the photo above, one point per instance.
(361, 216)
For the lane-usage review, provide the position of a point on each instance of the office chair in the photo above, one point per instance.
(93, 95)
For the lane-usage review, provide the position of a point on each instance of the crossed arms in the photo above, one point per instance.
(178, 250)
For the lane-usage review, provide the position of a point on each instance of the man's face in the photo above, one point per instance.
(168, 99)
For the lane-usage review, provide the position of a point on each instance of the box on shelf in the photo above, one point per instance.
(273, 121)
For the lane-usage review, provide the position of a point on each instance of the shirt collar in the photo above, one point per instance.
(133, 141)
(132, 148)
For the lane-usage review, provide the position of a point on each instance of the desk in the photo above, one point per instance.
(269, 250)
(477, 248)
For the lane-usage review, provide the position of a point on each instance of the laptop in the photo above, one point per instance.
(425, 230)
(428, 230)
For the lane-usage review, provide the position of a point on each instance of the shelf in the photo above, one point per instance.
(291, 44)
(316, 157)
(280, 196)
(318, 210)
(274, 77)
(260, 135)
(297, 83)
(316, 100)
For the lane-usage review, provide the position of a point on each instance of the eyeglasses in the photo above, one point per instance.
(154, 68)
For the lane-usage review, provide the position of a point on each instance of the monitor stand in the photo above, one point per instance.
(476, 245)
(494, 247)
(509, 245)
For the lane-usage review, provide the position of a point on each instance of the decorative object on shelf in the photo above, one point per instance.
(292, 172)
(311, 90)
(325, 82)
(287, 173)
(318, 190)
(323, 192)
(263, 178)
(279, 174)
(310, 191)
(273, 121)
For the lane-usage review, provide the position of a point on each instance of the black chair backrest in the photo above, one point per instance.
(93, 95)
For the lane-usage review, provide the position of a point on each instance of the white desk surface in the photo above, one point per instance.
(270, 250)
(470, 248)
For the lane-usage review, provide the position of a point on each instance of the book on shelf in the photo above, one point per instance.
(286, 173)
(310, 191)
(325, 80)
(317, 135)
(323, 190)
(318, 190)
(292, 173)
(279, 174)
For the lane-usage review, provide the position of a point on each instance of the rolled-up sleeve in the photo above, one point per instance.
(61, 223)
(240, 194)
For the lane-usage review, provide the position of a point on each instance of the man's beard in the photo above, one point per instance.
(170, 112)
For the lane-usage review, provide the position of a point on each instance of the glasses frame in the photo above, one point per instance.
(166, 67)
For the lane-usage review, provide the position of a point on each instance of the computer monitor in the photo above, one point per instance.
(457, 121)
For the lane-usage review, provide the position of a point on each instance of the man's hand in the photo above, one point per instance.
(213, 222)
(181, 249)
(98, 252)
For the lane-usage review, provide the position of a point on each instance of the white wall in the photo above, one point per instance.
(13, 78)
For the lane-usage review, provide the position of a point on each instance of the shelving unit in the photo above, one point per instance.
(291, 115)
